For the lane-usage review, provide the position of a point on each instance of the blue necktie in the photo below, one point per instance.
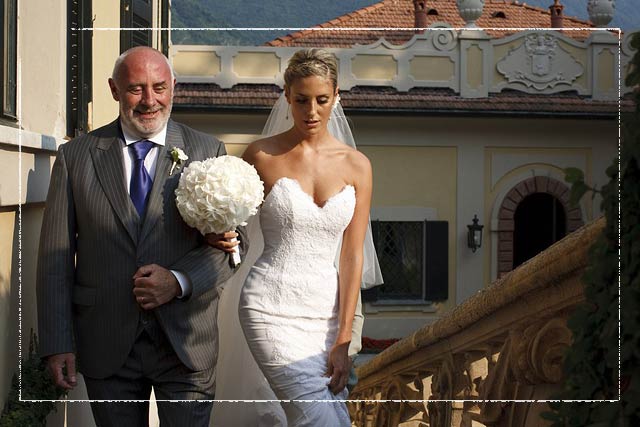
(141, 182)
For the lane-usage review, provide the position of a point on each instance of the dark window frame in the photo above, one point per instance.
(79, 66)
(434, 266)
(136, 14)
(8, 70)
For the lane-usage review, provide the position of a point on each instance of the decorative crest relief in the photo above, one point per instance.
(539, 62)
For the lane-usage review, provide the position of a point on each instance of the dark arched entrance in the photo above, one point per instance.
(539, 222)
(557, 190)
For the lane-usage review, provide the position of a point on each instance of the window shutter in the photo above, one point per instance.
(135, 14)
(436, 254)
(79, 66)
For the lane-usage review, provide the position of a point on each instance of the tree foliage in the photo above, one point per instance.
(594, 367)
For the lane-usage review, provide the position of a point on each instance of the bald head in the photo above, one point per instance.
(136, 54)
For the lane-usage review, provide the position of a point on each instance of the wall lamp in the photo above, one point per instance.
(474, 236)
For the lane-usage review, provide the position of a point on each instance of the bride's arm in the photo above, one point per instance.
(350, 275)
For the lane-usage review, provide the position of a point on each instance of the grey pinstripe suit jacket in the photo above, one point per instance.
(93, 241)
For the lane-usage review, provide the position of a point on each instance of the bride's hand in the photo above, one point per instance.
(338, 367)
(222, 241)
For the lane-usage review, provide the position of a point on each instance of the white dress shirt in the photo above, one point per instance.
(150, 164)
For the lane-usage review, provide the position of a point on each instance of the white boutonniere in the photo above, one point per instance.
(178, 157)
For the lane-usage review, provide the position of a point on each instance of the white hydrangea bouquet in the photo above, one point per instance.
(217, 195)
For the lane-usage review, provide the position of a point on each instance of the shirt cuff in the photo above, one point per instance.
(184, 282)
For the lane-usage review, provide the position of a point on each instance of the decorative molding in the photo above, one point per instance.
(539, 63)
(543, 62)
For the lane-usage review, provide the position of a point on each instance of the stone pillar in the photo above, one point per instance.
(604, 52)
(474, 72)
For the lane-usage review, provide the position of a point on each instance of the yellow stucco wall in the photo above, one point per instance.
(606, 66)
(196, 63)
(432, 68)
(418, 176)
(474, 67)
(42, 63)
(256, 64)
(374, 67)
(106, 48)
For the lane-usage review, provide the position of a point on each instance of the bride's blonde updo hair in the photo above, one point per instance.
(312, 62)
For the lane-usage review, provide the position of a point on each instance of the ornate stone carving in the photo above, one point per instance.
(443, 40)
(470, 11)
(498, 385)
(601, 11)
(538, 351)
(505, 343)
(540, 63)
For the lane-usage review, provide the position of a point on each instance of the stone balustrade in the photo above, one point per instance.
(504, 343)
(469, 62)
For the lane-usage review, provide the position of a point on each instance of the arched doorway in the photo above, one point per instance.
(539, 221)
(544, 191)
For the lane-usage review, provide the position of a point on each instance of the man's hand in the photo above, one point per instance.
(338, 367)
(222, 241)
(154, 285)
(56, 364)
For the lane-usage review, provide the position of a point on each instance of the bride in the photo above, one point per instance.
(296, 312)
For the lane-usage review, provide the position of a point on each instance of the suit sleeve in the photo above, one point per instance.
(56, 264)
(206, 266)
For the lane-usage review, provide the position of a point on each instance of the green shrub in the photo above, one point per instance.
(36, 385)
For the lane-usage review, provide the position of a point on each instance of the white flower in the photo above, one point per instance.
(217, 195)
(178, 157)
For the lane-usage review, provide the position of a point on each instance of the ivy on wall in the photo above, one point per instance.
(36, 385)
(594, 368)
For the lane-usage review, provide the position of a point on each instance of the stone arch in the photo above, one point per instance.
(506, 225)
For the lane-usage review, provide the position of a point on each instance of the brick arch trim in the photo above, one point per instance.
(506, 213)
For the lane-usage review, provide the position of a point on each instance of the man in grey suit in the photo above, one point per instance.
(123, 283)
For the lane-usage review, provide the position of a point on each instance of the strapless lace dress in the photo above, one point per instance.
(289, 303)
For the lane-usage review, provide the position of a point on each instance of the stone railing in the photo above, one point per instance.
(505, 343)
(471, 63)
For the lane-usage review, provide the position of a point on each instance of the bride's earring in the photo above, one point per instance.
(288, 108)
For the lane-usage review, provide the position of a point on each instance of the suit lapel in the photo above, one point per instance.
(163, 185)
(109, 166)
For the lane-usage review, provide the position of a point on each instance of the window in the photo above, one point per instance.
(79, 55)
(413, 257)
(9, 58)
(135, 14)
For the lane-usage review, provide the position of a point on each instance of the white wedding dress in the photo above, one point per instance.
(289, 303)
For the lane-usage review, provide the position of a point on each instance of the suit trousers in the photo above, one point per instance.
(153, 363)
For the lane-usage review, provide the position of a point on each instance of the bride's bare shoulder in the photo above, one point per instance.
(261, 149)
